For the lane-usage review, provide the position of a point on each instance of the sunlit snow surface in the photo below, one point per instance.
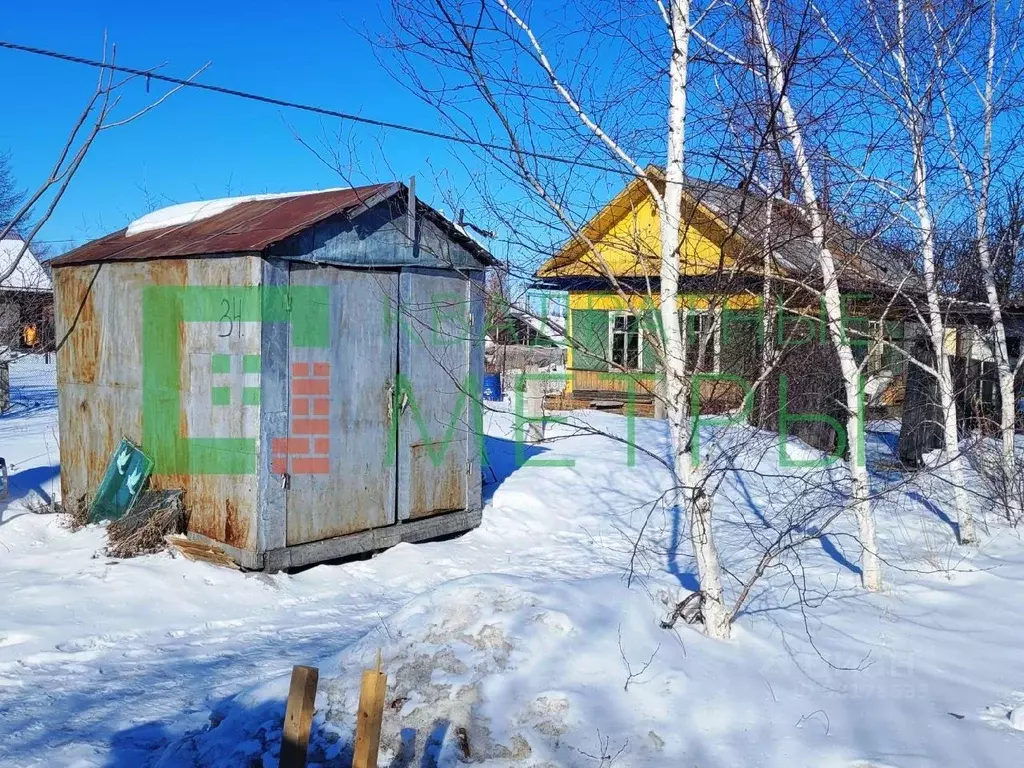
(523, 632)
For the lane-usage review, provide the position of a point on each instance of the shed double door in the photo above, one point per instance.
(396, 442)
(434, 416)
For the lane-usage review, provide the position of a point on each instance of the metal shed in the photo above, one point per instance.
(305, 367)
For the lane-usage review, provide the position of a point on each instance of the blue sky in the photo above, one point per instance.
(199, 145)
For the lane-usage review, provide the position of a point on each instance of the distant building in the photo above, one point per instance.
(26, 299)
(544, 303)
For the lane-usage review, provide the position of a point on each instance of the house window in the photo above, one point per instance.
(699, 325)
(625, 342)
(1013, 347)
(881, 346)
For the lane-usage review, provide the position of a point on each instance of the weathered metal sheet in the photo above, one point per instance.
(380, 236)
(100, 375)
(246, 227)
(342, 468)
(222, 506)
(363, 226)
(274, 409)
(474, 473)
(434, 363)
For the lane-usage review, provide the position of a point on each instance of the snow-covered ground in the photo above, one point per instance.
(523, 632)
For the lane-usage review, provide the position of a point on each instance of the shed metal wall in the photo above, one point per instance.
(378, 237)
(354, 421)
(99, 309)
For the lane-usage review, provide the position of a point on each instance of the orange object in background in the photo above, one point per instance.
(29, 335)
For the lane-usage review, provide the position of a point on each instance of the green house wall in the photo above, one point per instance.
(590, 337)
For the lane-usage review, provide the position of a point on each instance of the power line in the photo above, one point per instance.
(314, 109)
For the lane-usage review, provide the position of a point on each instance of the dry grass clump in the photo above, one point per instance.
(156, 514)
(74, 513)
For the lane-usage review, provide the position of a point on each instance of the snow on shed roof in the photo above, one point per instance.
(189, 213)
(29, 275)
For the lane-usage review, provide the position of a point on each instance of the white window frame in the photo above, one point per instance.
(612, 316)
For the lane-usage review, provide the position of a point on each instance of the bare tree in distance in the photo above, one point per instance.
(98, 115)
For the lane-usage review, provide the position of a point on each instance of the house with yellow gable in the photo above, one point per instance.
(730, 240)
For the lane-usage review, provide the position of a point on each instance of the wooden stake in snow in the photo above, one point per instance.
(371, 711)
(298, 717)
(534, 410)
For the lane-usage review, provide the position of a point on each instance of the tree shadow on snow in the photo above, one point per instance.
(837, 554)
(237, 735)
(937, 511)
(687, 579)
(29, 400)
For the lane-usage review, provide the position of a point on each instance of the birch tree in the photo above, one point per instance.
(689, 473)
(698, 504)
(914, 119)
(891, 54)
(776, 75)
(452, 35)
(970, 124)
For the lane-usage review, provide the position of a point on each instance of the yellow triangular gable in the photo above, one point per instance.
(627, 241)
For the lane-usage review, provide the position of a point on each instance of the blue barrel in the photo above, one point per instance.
(492, 386)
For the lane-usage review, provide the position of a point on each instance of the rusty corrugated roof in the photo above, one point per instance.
(252, 225)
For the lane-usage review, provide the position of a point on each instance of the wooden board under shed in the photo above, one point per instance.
(194, 550)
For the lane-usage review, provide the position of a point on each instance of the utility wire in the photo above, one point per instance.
(317, 110)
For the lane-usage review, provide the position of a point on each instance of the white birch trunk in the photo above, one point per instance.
(695, 502)
(1007, 404)
(937, 333)
(767, 309)
(690, 481)
(944, 379)
(871, 572)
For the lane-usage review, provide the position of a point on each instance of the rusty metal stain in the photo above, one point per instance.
(236, 526)
(100, 387)
(76, 325)
(434, 489)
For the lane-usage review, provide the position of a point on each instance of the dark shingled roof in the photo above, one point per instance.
(860, 261)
